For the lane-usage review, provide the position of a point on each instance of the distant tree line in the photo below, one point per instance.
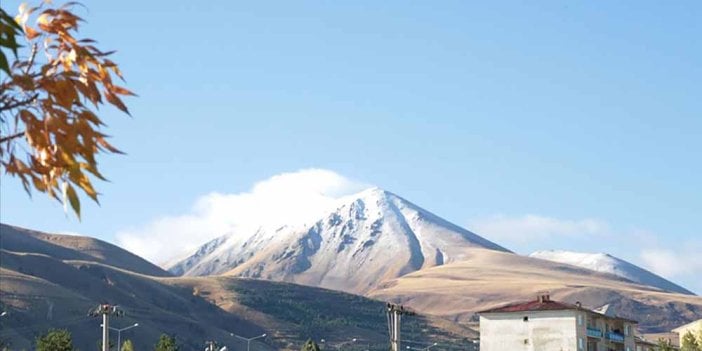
(61, 340)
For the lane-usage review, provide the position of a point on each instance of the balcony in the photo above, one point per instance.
(616, 337)
(594, 332)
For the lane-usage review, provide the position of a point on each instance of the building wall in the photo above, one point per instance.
(694, 327)
(645, 347)
(544, 331)
(581, 329)
(604, 324)
(630, 338)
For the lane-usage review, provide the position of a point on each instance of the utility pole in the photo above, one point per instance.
(394, 314)
(106, 310)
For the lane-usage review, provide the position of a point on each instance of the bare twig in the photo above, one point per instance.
(31, 59)
(10, 106)
(10, 137)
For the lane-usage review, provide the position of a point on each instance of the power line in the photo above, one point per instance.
(395, 313)
(106, 310)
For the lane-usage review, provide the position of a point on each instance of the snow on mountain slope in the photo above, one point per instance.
(369, 238)
(606, 263)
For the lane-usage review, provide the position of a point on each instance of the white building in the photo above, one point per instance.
(694, 327)
(546, 325)
(645, 345)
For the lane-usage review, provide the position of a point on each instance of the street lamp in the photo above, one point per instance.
(423, 349)
(338, 346)
(344, 343)
(119, 334)
(248, 340)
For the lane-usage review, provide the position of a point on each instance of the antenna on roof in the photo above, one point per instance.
(544, 296)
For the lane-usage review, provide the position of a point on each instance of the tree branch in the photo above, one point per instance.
(10, 106)
(10, 137)
(31, 59)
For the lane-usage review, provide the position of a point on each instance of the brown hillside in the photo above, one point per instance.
(40, 291)
(489, 278)
(72, 247)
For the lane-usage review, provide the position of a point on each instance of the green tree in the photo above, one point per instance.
(310, 345)
(167, 343)
(665, 345)
(689, 342)
(4, 345)
(52, 83)
(127, 345)
(55, 340)
(110, 344)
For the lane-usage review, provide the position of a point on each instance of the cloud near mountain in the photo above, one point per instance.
(679, 262)
(649, 250)
(286, 198)
(515, 230)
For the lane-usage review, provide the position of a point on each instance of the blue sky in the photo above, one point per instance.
(576, 124)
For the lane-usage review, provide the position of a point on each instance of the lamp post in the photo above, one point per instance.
(430, 346)
(248, 340)
(211, 345)
(423, 349)
(338, 346)
(119, 334)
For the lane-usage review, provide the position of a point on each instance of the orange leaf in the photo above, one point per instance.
(65, 93)
(69, 193)
(107, 145)
(30, 32)
(114, 100)
(122, 91)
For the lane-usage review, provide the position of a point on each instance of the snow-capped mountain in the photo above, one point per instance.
(605, 263)
(368, 238)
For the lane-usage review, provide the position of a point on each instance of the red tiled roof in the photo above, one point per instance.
(534, 305)
(545, 304)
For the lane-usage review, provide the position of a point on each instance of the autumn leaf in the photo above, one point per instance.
(117, 102)
(70, 194)
(51, 95)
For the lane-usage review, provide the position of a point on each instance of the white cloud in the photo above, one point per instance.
(671, 260)
(679, 262)
(529, 228)
(287, 198)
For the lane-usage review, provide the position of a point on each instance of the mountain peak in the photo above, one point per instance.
(574, 255)
(371, 194)
(606, 263)
(369, 237)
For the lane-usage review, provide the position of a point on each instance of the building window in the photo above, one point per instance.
(526, 318)
(580, 344)
(626, 331)
(580, 319)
